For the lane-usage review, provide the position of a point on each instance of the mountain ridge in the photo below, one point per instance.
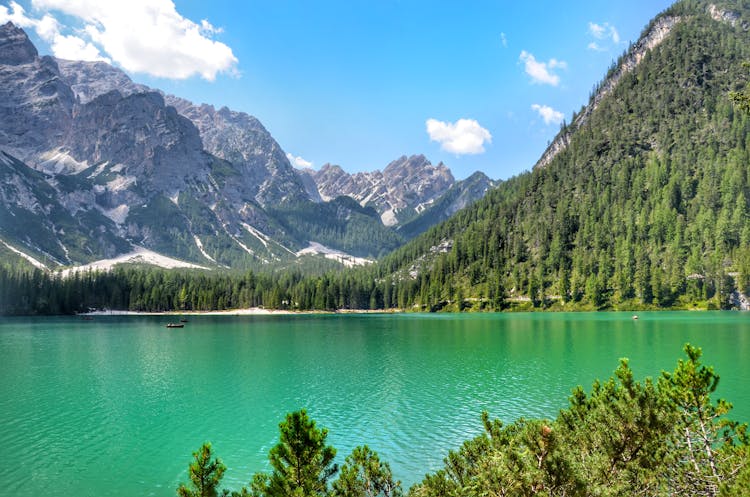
(156, 171)
(656, 31)
(405, 184)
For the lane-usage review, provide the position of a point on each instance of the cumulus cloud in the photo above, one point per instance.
(548, 114)
(542, 72)
(16, 14)
(465, 136)
(298, 161)
(603, 32)
(48, 28)
(75, 48)
(143, 36)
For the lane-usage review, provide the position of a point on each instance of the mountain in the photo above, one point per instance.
(108, 167)
(242, 140)
(460, 195)
(410, 190)
(642, 201)
(149, 171)
(404, 188)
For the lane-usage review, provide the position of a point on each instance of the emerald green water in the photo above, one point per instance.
(115, 406)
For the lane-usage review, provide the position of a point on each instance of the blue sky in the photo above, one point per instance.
(479, 85)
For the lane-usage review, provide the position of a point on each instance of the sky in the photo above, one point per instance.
(478, 85)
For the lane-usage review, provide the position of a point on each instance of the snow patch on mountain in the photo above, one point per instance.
(119, 214)
(139, 255)
(199, 244)
(60, 162)
(347, 260)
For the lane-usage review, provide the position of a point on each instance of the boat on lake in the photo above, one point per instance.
(175, 325)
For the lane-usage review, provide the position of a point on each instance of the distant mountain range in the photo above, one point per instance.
(406, 188)
(96, 167)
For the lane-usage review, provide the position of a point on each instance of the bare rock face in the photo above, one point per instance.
(89, 80)
(242, 140)
(237, 137)
(16, 47)
(140, 131)
(35, 104)
(404, 188)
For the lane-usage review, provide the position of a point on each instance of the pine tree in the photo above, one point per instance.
(365, 475)
(704, 455)
(742, 98)
(205, 475)
(302, 463)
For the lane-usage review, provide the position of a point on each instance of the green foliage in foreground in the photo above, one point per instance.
(302, 462)
(651, 438)
(205, 474)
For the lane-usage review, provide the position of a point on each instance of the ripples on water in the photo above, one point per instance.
(116, 406)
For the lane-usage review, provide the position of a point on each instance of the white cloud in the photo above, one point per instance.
(16, 14)
(603, 32)
(146, 36)
(465, 136)
(615, 35)
(75, 48)
(554, 63)
(597, 30)
(504, 40)
(298, 161)
(208, 28)
(541, 72)
(548, 114)
(48, 29)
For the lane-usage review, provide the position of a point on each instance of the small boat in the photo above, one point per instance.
(183, 320)
(175, 325)
(635, 316)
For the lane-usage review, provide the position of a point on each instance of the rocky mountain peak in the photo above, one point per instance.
(15, 46)
(88, 80)
(401, 190)
(241, 139)
(418, 165)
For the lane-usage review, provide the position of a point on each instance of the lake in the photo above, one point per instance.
(116, 406)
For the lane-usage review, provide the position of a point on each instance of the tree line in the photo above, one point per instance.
(624, 437)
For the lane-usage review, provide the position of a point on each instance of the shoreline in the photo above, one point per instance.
(258, 311)
(251, 311)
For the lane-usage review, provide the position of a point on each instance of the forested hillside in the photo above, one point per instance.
(646, 206)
